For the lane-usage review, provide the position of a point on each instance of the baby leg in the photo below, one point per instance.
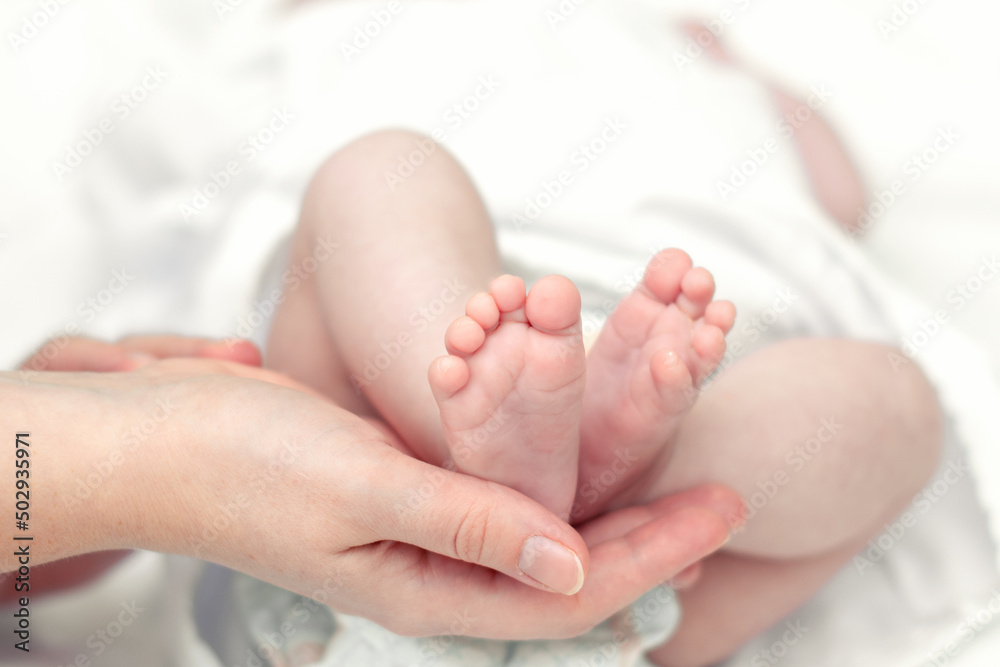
(364, 329)
(365, 326)
(841, 441)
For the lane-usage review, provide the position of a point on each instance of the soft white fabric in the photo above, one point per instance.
(262, 622)
(557, 85)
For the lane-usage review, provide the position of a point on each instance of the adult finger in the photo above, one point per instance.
(719, 499)
(212, 366)
(78, 354)
(471, 520)
(81, 354)
(497, 607)
(164, 347)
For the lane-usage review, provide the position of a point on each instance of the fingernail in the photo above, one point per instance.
(551, 564)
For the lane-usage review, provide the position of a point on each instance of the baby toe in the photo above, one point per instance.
(665, 272)
(553, 304)
(721, 314)
(483, 309)
(509, 293)
(672, 380)
(464, 336)
(446, 376)
(709, 344)
(697, 289)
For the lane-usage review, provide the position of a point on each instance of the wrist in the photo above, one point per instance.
(92, 440)
(51, 433)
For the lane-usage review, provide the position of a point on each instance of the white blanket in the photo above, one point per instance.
(173, 140)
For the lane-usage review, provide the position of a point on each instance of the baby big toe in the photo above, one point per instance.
(553, 305)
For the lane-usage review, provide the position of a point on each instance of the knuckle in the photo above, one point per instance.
(471, 532)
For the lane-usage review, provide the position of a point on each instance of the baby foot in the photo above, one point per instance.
(510, 391)
(643, 372)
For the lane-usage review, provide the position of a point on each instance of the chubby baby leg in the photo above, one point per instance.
(841, 440)
(409, 249)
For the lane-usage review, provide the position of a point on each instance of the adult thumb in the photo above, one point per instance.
(480, 522)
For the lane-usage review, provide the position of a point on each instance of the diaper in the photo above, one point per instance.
(272, 627)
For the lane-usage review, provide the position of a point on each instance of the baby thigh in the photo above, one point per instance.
(407, 248)
(825, 439)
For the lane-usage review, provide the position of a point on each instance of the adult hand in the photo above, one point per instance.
(80, 354)
(216, 460)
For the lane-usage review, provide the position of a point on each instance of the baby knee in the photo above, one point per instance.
(386, 151)
(919, 412)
